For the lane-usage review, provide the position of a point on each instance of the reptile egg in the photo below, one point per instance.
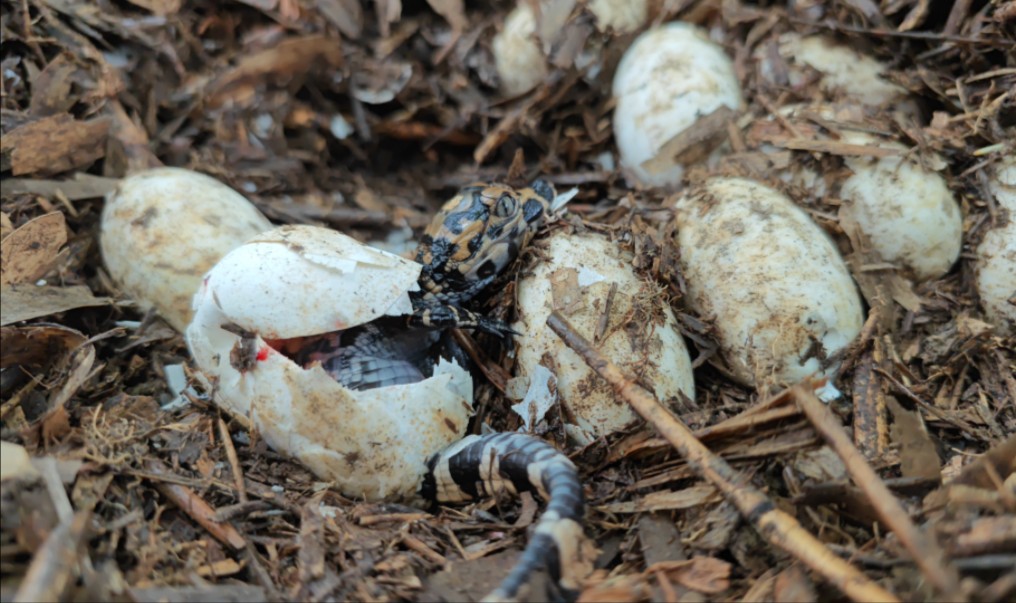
(640, 333)
(906, 210)
(294, 282)
(522, 47)
(163, 228)
(774, 286)
(996, 254)
(518, 57)
(675, 91)
(843, 72)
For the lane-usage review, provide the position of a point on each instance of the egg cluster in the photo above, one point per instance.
(772, 283)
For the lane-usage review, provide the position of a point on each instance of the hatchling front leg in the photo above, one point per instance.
(432, 314)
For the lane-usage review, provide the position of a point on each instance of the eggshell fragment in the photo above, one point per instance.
(162, 229)
(283, 283)
(996, 254)
(641, 333)
(669, 80)
(771, 281)
(372, 444)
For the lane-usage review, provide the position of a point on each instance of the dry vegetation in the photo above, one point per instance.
(128, 498)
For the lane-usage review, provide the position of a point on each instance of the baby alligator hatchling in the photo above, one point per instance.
(470, 242)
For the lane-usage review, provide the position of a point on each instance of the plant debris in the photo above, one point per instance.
(122, 481)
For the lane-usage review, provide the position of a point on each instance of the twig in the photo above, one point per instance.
(776, 526)
(926, 553)
(56, 562)
(234, 461)
(193, 505)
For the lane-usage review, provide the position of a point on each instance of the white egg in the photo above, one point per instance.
(768, 278)
(641, 332)
(297, 281)
(900, 202)
(671, 79)
(520, 62)
(843, 72)
(906, 209)
(996, 254)
(522, 47)
(163, 228)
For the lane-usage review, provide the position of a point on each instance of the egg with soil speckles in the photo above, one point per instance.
(843, 73)
(768, 278)
(996, 254)
(162, 229)
(260, 302)
(676, 90)
(637, 330)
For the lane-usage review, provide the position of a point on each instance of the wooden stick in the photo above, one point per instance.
(234, 460)
(776, 526)
(928, 556)
(193, 505)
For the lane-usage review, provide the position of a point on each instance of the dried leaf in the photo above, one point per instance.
(79, 186)
(287, 59)
(36, 345)
(666, 500)
(55, 144)
(25, 302)
(51, 88)
(31, 251)
(918, 456)
(344, 14)
(159, 7)
(452, 11)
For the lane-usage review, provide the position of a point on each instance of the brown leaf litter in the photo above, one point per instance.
(121, 481)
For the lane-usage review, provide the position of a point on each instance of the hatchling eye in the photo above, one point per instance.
(505, 206)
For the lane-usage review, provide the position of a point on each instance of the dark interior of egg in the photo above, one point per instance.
(380, 353)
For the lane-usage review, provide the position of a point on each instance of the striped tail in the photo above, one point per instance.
(487, 465)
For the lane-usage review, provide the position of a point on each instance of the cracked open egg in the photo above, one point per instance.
(591, 281)
(770, 280)
(282, 319)
(163, 228)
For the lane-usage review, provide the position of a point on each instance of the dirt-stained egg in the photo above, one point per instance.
(675, 90)
(522, 47)
(163, 228)
(768, 278)
(895, 194)
(843, 73)
(996, 254)
(591, 281)
(267, 297)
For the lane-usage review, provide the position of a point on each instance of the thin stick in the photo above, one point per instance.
(234, 461)
(928, 556)
(193, 505)
(779, 528)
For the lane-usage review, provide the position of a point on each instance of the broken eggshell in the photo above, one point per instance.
(668, 84)
(163, 229)
(640, 335)
(771, 281)
(996, 254)
(299, 281)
